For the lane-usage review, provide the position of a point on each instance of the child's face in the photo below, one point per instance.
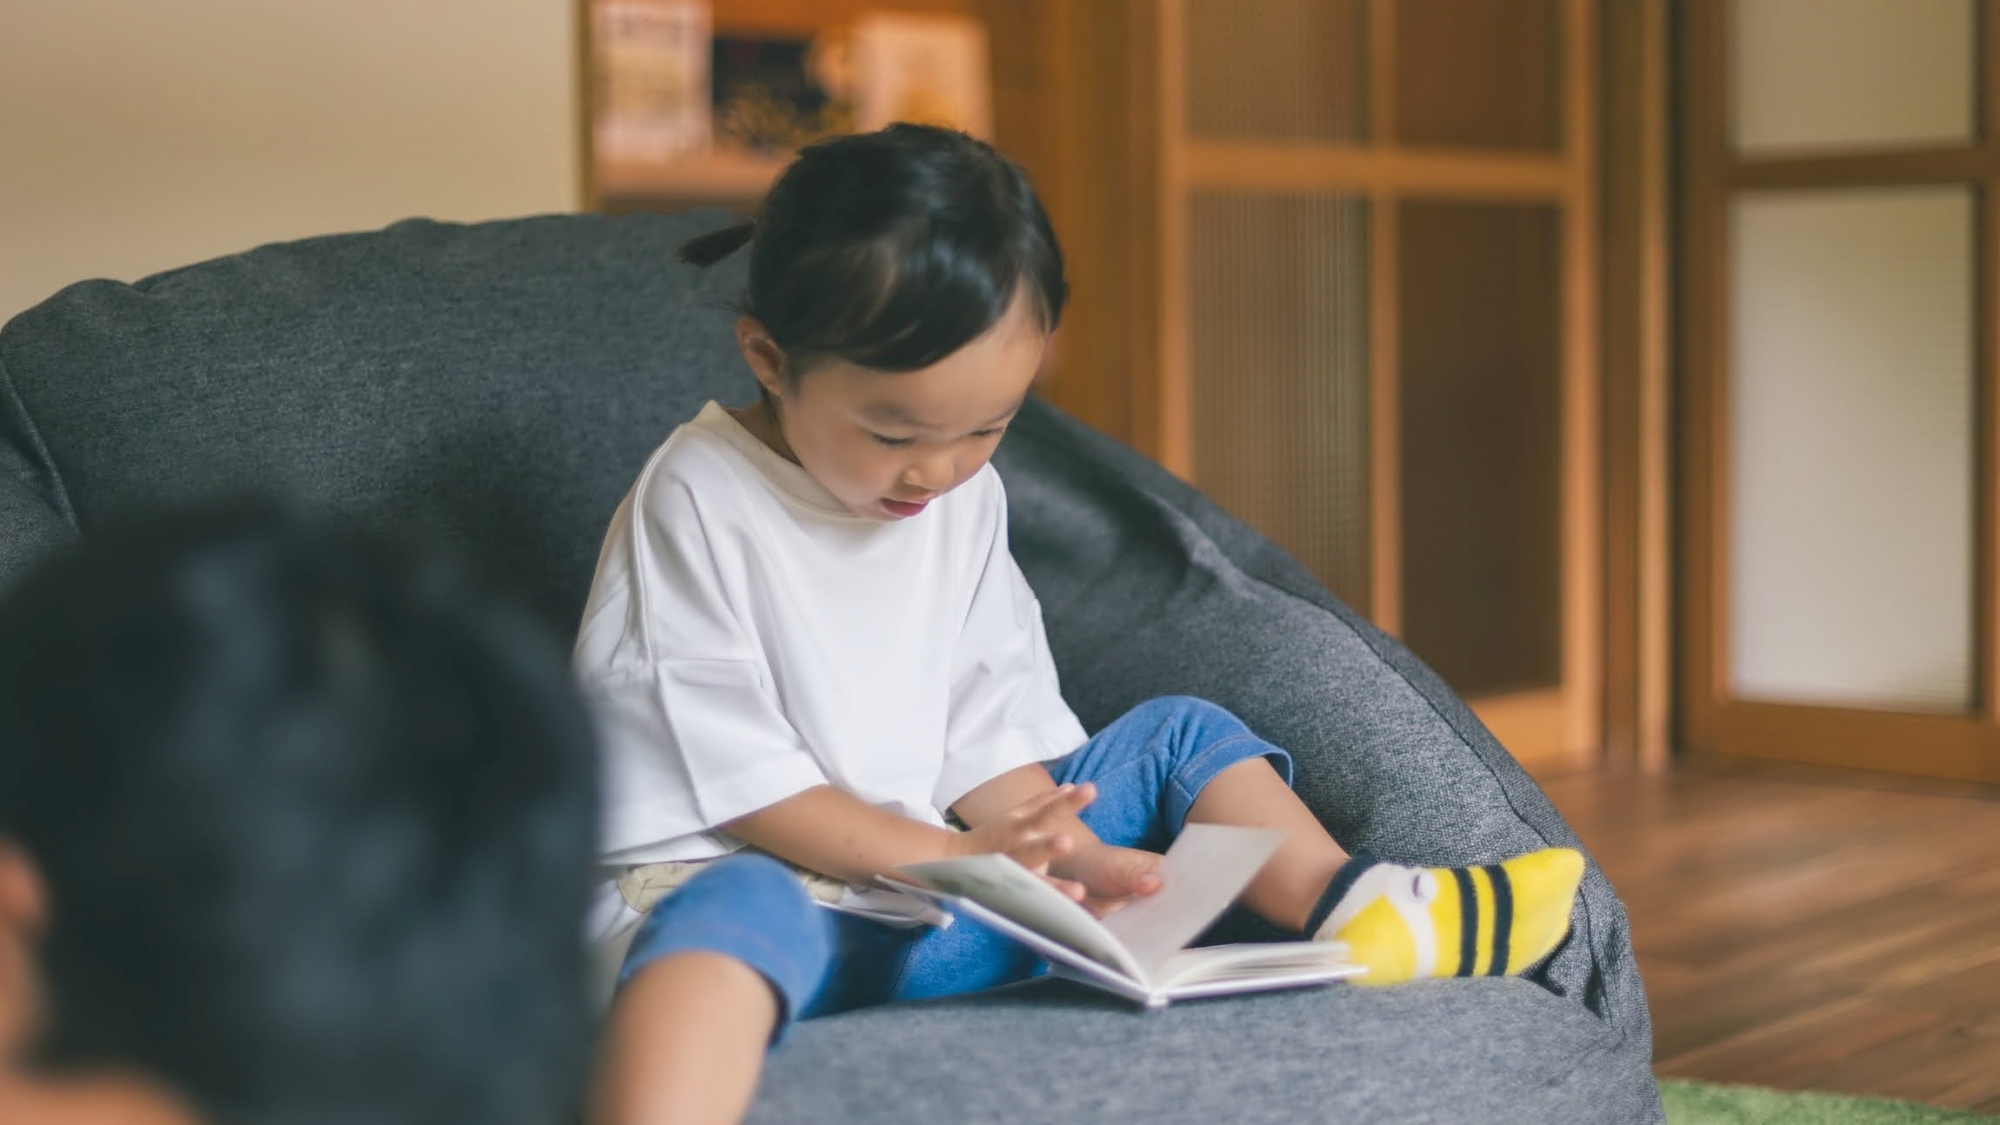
(885, 444)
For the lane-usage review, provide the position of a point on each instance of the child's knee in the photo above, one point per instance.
(1186, 709)
(1182, 723)
(754, 892)
(750, 908)
(753, 884)
(1196, 739)
(1161, 736)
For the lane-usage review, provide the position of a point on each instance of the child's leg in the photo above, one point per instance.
(684, 1042)
(963, 957)
(715, 974)
(1177, 759)
(1400, 922)
(1253, 794)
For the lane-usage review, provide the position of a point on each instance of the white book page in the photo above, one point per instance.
(1261, 982)
(1203, 872)
(1063, 961)
(1254, 960)
(1012, 891)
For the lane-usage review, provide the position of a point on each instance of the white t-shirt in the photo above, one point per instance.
(747, 639)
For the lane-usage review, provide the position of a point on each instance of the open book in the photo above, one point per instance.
(1138, 952)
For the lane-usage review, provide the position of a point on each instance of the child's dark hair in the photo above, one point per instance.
(315, 819)
(892, 250)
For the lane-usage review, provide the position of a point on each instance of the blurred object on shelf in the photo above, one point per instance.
(683, 112)
(650, 94)
(929, 69)
(775, 93)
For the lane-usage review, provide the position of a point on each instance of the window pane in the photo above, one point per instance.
(1851, 448)
(1481, 429)
(1844, 74)
(1277, 70)
(1478, 73)
(1280, 369)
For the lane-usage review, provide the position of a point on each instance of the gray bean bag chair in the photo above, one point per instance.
(498, 385)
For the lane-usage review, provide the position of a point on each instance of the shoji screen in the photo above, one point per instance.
(1840, 485)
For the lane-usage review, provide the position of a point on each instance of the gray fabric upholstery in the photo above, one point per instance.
(1479, 1052)
(498, 386)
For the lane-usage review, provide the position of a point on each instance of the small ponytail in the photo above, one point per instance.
(707, 249)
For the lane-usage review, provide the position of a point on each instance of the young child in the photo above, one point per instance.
(809, 644)
(292, 829)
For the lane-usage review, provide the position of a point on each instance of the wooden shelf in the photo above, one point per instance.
(714, 177)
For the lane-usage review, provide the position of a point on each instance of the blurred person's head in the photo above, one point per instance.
(293, 828)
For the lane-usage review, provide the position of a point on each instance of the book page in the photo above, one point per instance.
(1014, 892)
(1063, 961)
(1216, 963)
(1203, 872)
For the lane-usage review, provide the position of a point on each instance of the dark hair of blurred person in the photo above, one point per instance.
(293, 829)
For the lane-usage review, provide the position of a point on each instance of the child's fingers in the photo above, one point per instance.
(1032, 807)
(1051, 809)
(1141, 871)
(1061, 800)
(1104, 907)
(1070, 888)
(1130, 883)
(1034, 851)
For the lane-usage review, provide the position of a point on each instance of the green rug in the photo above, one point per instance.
(1700, 1103)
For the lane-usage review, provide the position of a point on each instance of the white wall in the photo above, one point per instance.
(139, 135)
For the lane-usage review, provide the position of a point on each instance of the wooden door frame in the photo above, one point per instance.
(1637, 204)
(1965, 748)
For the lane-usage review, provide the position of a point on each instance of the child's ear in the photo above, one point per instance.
(766, 359)
(24, 903)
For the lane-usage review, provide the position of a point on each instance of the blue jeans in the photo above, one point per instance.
(1149, 766)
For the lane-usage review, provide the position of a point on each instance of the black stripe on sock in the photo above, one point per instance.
(1503, 917)
(1468, 921)
(1337, 889)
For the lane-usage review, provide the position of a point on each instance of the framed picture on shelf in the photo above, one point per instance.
(682, 110)
(650, 83)
(929, 69)
(775, 93)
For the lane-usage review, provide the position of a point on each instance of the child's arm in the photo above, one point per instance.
(838, 834)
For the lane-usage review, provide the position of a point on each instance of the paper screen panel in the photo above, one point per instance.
(1280, 373)
(1481, 426)
(1479, 74)
(1851, 453)
(1276, 70)
(1847, 74)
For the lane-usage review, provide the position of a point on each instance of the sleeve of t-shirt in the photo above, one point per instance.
(1007, 708)
(692, 731)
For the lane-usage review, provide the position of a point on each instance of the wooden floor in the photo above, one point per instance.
(1809, 933)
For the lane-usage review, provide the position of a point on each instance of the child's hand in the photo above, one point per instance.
(1033, 833)
(1111, 876)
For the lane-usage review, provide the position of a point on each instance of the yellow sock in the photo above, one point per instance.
(1401, 923)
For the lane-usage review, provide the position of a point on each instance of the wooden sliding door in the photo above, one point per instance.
(1377, 284)
(1841, 170)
